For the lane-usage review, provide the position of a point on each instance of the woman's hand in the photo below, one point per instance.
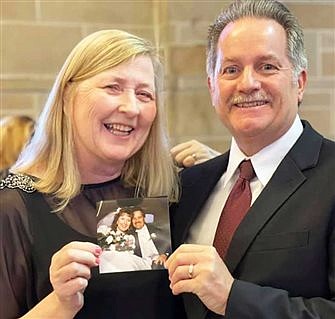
(200, 270)
(192, 152)
(70, 272)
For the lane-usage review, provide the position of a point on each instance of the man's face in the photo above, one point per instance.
(138, 220)
(253, 89)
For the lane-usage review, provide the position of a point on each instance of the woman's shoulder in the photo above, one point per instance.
(11, 200)
(13, 209)
(17, 181)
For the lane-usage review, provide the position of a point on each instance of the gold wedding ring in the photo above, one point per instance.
(194, 156)
(190, 271)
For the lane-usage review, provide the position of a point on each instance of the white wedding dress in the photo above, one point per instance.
(117, 261)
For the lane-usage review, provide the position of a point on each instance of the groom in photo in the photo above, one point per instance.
(146, 240)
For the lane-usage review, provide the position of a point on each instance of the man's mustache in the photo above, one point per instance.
(243, 98)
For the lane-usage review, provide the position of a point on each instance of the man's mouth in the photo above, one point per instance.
(249, 101)
(118, 129)
(250, 104)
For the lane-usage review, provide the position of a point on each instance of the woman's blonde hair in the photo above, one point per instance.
(51, 151)
(15, 132)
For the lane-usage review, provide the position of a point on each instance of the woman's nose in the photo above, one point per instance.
(249, 81)
(129, 103)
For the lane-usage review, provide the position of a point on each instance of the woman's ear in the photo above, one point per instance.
(68, 98)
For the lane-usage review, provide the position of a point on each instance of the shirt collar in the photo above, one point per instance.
(266, 161)
(142, 230)
(236, 156)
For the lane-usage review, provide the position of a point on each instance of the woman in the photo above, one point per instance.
(15, 131)
(94, 141)
(122, 220)
(119, 254)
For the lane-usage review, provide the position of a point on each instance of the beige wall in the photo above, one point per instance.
(36, 36)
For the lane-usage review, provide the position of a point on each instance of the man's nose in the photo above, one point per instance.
(249, 81)
(129, 103)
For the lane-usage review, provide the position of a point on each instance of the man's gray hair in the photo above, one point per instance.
(270, 9)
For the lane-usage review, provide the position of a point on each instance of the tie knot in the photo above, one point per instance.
(246, 170)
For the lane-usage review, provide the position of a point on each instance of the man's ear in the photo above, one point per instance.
(302, 80)
(210, 85)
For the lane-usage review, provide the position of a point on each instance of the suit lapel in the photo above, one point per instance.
(285, 181)
(137, 250)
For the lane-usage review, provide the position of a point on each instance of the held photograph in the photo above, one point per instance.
(134, 234)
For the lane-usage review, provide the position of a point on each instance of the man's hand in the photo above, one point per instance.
(192, 152)
(160, 260)
(208, 278)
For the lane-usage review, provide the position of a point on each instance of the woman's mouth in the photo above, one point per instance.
(118, 129)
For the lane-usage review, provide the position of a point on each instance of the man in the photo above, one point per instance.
(145, 240)
(279, 260)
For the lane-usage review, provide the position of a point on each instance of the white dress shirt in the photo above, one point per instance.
(265, 163)
(147, 246)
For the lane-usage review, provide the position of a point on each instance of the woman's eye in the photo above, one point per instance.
(113, 87)
(145, 96)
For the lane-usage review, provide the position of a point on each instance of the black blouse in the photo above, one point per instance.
(31, 233)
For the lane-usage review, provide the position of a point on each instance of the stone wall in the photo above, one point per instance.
(36, 37)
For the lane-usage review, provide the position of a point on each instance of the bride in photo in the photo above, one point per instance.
(118, 244)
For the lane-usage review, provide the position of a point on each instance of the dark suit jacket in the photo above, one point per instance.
(283, 253)
(161, 239)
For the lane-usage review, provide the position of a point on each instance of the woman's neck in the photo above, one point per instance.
(94, 173)
(96, 177)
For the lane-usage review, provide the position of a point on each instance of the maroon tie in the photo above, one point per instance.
(236, 207)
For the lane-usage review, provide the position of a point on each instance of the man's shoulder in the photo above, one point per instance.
(329, 144)
(214, 166)
(327, 153)
(151, 228)
(313, 146)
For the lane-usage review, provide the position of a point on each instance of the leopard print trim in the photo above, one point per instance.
(20, 181)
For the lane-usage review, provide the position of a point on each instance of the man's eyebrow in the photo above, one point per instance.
(260, 57)
(229, 60)
(269, 57)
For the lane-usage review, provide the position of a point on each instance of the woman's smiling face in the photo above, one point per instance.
(113, 112)
(123, 223)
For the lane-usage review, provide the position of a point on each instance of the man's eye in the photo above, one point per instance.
(230, 70)
(268, 67)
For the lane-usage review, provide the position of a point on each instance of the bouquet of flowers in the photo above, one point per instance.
(121, 241)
